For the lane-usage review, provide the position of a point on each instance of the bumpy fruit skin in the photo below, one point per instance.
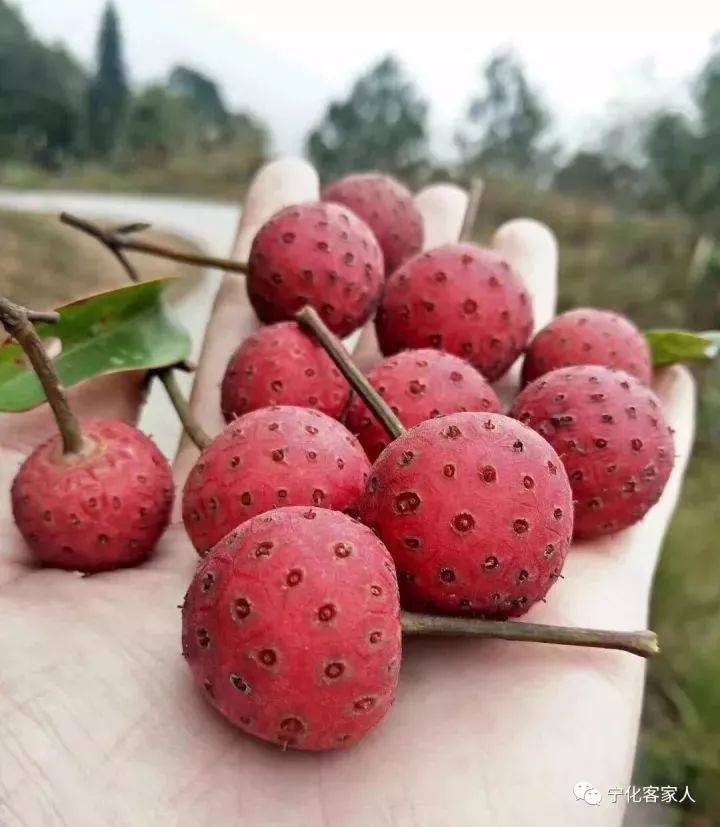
(272, 457)
(319, 254)
(387, 207)
(419, 385)
(587, 336)
(460, 298)
(291, 628)
(476, 511)
(281, 365)
(103, 510)
(611, 434)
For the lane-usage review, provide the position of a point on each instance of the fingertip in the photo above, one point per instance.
(676, 389)
(277, 184)
(531, 248)
(442, 207)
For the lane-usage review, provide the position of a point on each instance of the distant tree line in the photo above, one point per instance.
(53, 111)
(507, 131)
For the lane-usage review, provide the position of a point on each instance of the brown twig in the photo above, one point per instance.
(114, 242)
(18, 321)
(308, 317)
(117, 241)
(182, 409)
(642, 643)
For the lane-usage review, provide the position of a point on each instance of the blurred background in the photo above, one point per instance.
(606, 129)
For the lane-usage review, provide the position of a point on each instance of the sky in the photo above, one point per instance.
(285, 60)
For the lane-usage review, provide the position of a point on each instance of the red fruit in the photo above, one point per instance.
(611, 434)
(459, 298)
(388, 209)
(101, 510)
(269, 458)
(318, 254)
(291, 626)
(282, 365)
(419, 385)
(589, 337)
(476, 511)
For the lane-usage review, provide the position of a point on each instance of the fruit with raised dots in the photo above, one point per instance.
(268, 458)
(419, 385)
(281, 365)
(587, 336)
(291, 628)
(476, 510)
(387, 207)
(460, 298)
(318, 254)
(611, 434)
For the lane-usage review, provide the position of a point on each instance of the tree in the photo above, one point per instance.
(108, 95)
(41, 95)
(203, 100)
(157, 123)
(382, 125)
(507, 123)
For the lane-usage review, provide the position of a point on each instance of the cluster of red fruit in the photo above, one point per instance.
(313, 533)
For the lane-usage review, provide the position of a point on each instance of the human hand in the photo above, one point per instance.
(100, 722)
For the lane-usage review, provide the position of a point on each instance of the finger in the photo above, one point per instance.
(531, 249)
(277, 185)
(442, 207)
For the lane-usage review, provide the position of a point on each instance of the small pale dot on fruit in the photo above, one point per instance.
(278, 455)
(491, 562)
(549, 550)
(407, 502)
(375, 591)
(263, 549)
(489, 473)
(364, 704)
(208, 581)
(246, 498)
(240, 608)
(375, 637)
(318, 496)
(240, 684)
(268, 657)
(309, 514)
(203, 637)
(463, 522)
(520, 526)
(343, 550)
(447, 575)
(326, 612)
(449, 470)
(334, 670)
(636, 444)
(552, 468)
(557, 513)
(528, 482)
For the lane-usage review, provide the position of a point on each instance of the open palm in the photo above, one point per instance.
(100, 723)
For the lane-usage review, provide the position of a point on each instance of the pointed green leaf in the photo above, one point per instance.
(670, 346)
(119, 330)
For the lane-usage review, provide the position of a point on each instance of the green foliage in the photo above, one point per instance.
(382, 125)
(120, 330)
(506, 124)
(669, 347)
(157, 123)
(108, 95)
(41, 95)
(203, 101)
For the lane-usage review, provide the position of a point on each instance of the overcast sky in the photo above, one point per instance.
(286, 59)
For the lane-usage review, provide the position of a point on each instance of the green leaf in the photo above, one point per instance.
(670, 346)
(111, 332)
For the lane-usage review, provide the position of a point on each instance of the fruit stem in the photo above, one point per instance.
(309, 318)
(117, 241)
(18, 321)
(644, 643)
(471, 211)
(182, 409)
